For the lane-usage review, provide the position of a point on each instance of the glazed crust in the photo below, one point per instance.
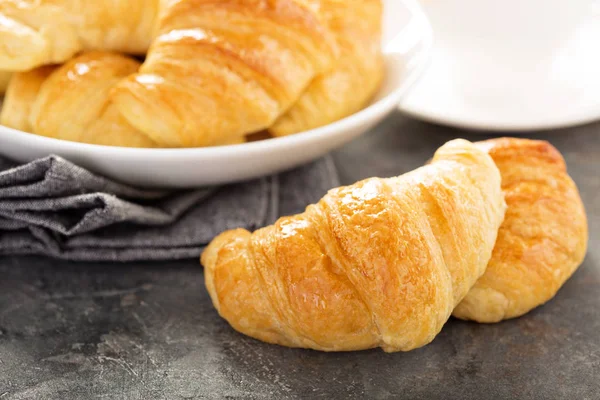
(21, 92)
(38, 32)
(381, 263)
(71, 102)
(357, 75)
(207, 80)
(543, 238)
(216, 70)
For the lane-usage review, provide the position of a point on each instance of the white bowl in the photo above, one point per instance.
(407, 44)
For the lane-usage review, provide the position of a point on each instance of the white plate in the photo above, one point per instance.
(407, 43)
(511, 65)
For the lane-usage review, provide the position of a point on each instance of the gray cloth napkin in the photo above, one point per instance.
(55, 208)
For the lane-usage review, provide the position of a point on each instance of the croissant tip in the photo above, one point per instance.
(523, 149)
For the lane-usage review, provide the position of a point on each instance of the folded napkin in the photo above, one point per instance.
(55, 208)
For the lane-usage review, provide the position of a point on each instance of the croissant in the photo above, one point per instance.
(380, 263)
(219, 70)
(21, 93)
(38, 32)
(356, 77)
(4, 79)
(71, 102)
(542, 240)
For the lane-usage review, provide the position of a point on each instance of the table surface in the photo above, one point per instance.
(149, 331)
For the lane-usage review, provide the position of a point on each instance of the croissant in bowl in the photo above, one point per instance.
(39, 32)
(214, 72)
(220, 70)
(4, 79)
(353, 81)
(71, 102)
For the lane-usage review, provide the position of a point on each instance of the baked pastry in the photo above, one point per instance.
(356, 77)
(543, 238)
(71, 102)
(38, 32)
(219, 70)
(380, 263)
(4, 79)
(21, 93)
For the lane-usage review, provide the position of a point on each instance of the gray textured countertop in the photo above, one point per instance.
(149, 331)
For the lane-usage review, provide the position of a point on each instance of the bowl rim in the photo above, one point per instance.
(375, 108)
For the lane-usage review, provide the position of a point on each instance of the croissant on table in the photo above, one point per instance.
(38, 32)
(357, 270)
(381, 263)
(542, 240)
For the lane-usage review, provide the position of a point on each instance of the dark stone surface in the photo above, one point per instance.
(148, 331)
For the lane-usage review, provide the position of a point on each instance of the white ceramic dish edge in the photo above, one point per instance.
(407, 49)
(537, 72)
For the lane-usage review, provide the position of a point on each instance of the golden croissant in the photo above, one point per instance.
(4, 79)
(39, 32)
(71, 102)
(357, 75)
(219, 70)
(381, 263)
(542, 240)
(21, 92)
